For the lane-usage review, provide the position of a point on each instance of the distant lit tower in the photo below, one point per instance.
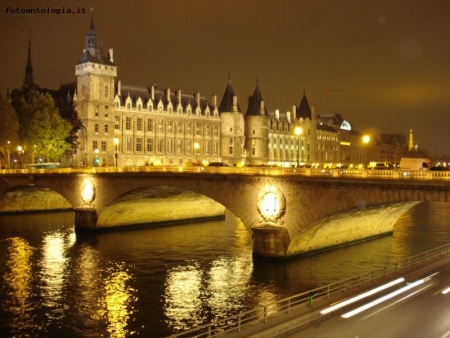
(257, 129)
(411, 141)
(232, 128)
(306, 119)
(96, 75)
(28, 80)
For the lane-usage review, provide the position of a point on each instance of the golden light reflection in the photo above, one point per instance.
(19, 282)
(118, 300)
(227, 285)
(53, 272)
(183, 297)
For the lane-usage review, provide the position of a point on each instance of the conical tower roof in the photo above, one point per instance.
(227, 101)
(254, 104)
(303, 110)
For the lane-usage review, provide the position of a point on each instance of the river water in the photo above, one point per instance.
(155, 281)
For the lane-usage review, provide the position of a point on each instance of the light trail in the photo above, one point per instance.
(362, 296)
(386, 297)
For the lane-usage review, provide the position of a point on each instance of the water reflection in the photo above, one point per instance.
(183, 297)
(119, 299)
(53, 272)
(153, 282)
(18, 285)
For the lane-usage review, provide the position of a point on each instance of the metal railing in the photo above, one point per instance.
(265, 313)
(270, 171)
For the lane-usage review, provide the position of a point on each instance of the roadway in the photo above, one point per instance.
(422, 311)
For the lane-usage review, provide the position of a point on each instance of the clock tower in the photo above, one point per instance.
(96, 75)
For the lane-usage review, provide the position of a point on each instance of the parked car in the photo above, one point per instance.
(439, 168)
(217, 164)
(381, 166)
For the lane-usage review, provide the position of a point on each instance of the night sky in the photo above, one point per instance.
(383, 65)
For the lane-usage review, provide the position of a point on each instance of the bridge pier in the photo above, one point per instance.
(85, 219)
(270, 242)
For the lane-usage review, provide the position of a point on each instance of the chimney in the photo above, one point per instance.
(235, 103)
(197, 98)
(261, 107)
(153, 93)
(119, 88)
(214, 100)
(111, 54)
(179, 96)
(168, 94)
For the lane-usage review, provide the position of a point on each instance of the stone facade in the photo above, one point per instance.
(127, 125)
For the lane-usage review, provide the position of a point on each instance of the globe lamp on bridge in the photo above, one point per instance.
(87, 191)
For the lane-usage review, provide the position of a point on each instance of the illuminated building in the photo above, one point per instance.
(153, 126)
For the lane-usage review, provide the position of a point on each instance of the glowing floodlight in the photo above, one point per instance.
(88, 191)
(271, 205)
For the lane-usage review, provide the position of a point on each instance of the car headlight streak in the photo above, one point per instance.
(362, 296)
(386, 297)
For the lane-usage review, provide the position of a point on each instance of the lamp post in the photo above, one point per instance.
(116, 144)
(298, 132)
(8, 154)
(96, 158)
(196, 147)
(19, 154)
(365, 140)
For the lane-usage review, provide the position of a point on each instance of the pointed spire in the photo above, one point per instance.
(91, 38)
(303, 110)
(28, 78)
(411, 140)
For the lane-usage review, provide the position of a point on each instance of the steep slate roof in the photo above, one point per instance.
(303, 110)
(91, 44)
(227, 101)
(161, 95)
(254, 104)
(97, 57)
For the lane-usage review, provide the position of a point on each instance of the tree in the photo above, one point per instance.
(70, 114)
(42, 131)
(9, 128)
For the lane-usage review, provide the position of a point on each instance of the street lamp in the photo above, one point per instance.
(116, 144)
(365, 140)
(19, 151)
(8, 154)
(196, 147)
(298, 132)
(96, 157)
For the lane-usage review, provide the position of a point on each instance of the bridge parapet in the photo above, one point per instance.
(263, 170)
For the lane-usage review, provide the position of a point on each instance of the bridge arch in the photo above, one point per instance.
(308, 199)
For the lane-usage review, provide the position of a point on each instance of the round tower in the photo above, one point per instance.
(257, 130)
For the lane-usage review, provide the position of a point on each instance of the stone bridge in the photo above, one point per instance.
(290, 211)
